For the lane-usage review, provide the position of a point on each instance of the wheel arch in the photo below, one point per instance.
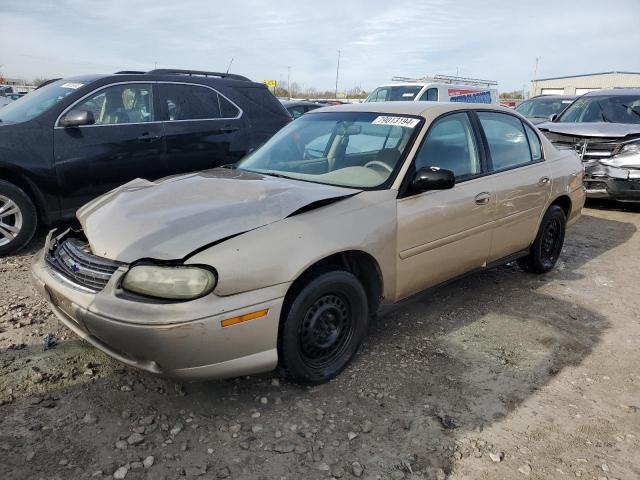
(564, 202)
(22, 181)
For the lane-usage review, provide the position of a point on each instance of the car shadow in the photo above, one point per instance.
(432, 374)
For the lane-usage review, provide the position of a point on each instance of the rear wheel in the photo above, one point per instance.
(18, 218)
(545, 250)
(323, 326)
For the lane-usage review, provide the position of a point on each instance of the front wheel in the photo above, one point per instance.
(322, 328)
(545, 250)
(18, 218)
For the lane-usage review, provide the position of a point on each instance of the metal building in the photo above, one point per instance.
(579, 84)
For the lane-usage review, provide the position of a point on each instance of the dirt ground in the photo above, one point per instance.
(501, 375)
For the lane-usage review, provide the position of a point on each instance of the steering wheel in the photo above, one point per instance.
(378, 164)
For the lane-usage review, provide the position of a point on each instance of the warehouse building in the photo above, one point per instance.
(579, 84)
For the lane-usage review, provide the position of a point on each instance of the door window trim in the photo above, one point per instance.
(152, 83)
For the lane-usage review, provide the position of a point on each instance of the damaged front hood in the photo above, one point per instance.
(170, 218)
(595, 129)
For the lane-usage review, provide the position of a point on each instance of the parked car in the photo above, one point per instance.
(76, 138)
(439, 88)
(297, 108)
(5, 101)
(604, 128)
(282, 260)
(540, 108)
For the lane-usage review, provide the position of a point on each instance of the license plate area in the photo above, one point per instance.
(62, 304)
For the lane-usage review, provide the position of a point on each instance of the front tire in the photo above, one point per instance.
(546, 248)
(323, 327)
(18, 218)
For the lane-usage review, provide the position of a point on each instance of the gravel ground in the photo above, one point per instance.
(501, 375)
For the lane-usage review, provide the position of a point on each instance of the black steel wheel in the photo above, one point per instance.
(546, 248)
(324, 322)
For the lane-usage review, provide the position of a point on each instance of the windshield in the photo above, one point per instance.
(543, 107)
(347, 149)
(36, 102)
(601, 108)
(394, 93)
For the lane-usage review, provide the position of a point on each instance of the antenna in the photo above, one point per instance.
(229, 67)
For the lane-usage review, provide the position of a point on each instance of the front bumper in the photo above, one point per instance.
(602, 181)
(182, 340)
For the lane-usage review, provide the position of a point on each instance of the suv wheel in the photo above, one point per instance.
(18, 218)
(545, 250)
(323, 327)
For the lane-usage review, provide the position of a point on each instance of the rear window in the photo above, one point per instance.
(394, 93)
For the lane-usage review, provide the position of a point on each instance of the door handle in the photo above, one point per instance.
(147, 137)
(483, 198)
(228, 129)
(543, 180)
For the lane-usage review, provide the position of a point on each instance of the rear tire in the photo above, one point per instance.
(18, 218)
(322, 327)
(546, 248)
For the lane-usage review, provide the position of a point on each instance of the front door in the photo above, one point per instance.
(445, 233)
(522, 179)
(202, 128)
(124, 143)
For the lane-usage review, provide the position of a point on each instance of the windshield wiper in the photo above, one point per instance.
(633, 109)
(604, 117)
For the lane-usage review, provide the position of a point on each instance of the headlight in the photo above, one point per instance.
(170, 282)
(627, 157)
(630, 149)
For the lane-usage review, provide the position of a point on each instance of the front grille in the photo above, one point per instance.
(73, 259)
(588, 148)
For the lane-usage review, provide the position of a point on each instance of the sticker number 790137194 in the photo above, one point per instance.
(397, 121)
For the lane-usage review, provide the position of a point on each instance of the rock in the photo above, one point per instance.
(357, 469)
(367, 426)
(440, 475)
(195, 471)
(176, 429)
(256, 428)
(351, 435)
(223, 473)
(89, 419)
(324, 467)
(120, 473)
(135, 439)
(284, 447)
(255, 415)
(525, 469)
(496, 457)
(397, 475)
(148, 462)
(275, 382)
(337, 471)
(148, 420)
(139, 429)
(121, 444)
(136, 466)
(125, 388)
(30, 456)
(448, 422)
(264, 400)
(125, 414)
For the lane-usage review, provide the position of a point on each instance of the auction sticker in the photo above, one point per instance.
(71, 85)
(398, 121)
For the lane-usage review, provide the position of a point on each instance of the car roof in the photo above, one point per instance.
(613, 91)
(293, 103)
(408, 107)
(565, 97)
(127, 76)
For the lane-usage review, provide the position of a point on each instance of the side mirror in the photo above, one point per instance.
(432, 178)
(76, 118)
(552, 117)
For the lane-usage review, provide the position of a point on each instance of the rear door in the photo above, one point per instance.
(445, 233)
(522, 179)
(202, 128)
(124, 143)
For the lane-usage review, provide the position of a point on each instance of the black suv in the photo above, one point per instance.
(76, 138)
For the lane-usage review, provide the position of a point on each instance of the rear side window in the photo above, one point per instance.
(534, 143)
(431, 95)
(507, 140)
(451, 144)
(194, 102)
(257, 100)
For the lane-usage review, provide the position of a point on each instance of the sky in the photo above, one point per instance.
(492, 39)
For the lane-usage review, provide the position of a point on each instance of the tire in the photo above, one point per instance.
(322, 327)
(546, 248)
(18, 218)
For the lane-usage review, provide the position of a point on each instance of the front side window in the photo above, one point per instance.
(542, 107)
(451, 144)
(507, 140)
(194, 102)
(603, 108)
(117, 104)
(350, 149)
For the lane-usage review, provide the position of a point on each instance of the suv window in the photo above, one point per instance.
(126, 103)
(451, 144)
(431, 95)
(507, 140)
(194, 102)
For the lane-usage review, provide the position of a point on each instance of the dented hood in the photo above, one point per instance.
(170, 218)
(592, 129)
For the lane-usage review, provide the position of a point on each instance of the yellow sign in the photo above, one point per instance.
(269, 83)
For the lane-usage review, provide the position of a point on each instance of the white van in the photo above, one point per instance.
(439, 88)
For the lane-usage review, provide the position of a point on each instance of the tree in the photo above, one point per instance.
(515, 95)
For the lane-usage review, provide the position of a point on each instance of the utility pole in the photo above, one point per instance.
(535, 76)
(289, 82)
(337, 73)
